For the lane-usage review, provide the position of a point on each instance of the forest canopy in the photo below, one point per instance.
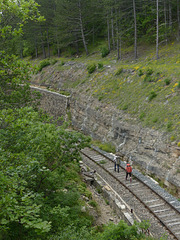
(76, 25)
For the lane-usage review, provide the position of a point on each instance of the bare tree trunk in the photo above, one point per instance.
(165, 21)
(178, 18)
(43, 47)
(170, 15)
(135, 30)
(157, 29)
(117, 34)
(108, 28)
(48, 43)
(76, 44)
(81, 26)
(112, 29)
(36, 48)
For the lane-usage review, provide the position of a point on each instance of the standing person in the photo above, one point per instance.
(128, 171)
(117, 161)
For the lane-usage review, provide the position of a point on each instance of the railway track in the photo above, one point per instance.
(146, 199)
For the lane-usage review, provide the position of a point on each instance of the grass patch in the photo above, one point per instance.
(107, 147)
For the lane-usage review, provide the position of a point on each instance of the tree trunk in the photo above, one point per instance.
(157, 29)
(81, 27)
(165, 21)
(36, 48)
(48, 43)
(108, 28)
(117, 34)
(43, 47)
(178, 18)
(135, 30)
(170, 15)
(112, 29)
(76, 44)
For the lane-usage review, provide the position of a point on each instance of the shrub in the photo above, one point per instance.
(140, 72)
(149, 78)
(54, 61)
(100, 65)
(43, 64)
(167, 81)
(142, 115)
(125, 107)
(169, 126)
(107, 147)
(152, 95)
(62, 63)
(172, 138)
(178, 144)
(119, 71)
(178, 86)
(93, 203)
(91, 68)
(149, 72)
(104, 52)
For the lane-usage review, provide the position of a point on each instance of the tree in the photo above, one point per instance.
(34, 155)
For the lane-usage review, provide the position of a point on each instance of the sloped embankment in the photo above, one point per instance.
(103, 105)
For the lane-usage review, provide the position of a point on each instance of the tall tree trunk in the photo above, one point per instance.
(112, 29)
(157, 29)
(170, 15)
(165, 21)
(178, 18)
(57, 42)
(135, 30)
(43, 47)
(81, 27)
(48, 43)
(108, 29)
(36, 48)
(76, 44)
(117, 33)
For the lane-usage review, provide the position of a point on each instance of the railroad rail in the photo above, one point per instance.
(161, 208)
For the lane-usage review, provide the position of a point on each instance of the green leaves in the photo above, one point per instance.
(33, 159)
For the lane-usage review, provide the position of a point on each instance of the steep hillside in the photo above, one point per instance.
(146, 89)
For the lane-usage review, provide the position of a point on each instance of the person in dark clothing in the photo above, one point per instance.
(117, 161)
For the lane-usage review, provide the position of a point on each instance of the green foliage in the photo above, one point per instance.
(149, 72)
(167, 81)
(44, 63)
(14, 86)
(123, 231)
(169, 126)
(93, 203)
(152, 95)
(141, 116)
(53, 61)
(148, 78)
(140, 72)
(178, 86)
(107, 147)
(34, 159)
(104, 52)
(125, 107)
(91, 68)
(100, 65)
(62, 63)
(119, 71)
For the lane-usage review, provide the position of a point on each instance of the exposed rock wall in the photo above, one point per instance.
(53, 103)
(146, 148)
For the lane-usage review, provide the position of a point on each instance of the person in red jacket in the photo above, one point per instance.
(128, 171)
